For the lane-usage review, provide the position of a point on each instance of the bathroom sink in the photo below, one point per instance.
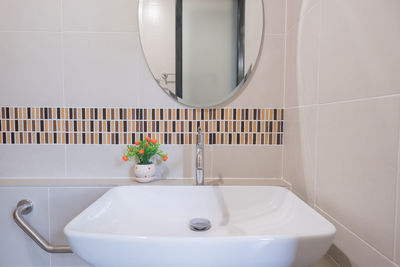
(149, 226)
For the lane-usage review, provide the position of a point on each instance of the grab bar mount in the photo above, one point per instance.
(25, 207)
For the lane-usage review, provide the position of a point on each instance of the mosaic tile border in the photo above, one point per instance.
(64, 125)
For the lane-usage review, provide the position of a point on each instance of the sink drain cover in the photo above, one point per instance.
(199, 224)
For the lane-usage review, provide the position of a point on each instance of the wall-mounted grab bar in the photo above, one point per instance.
(25, 207)
(165, 77)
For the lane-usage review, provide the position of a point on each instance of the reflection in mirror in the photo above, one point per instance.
(201, 51)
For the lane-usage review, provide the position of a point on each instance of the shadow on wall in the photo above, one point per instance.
(301, 154)
(301, 99)
(339, 257)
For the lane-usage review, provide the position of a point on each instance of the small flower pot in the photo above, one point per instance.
(145, 172)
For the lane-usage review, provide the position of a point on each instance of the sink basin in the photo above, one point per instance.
(149, 226)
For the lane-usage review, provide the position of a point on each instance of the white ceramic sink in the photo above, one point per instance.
(149, 226)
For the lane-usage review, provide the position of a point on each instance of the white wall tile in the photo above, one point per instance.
(231, 161)
(180, 163)
(302, 60)
(265, 86)
(32, 161)
(274, 16)
(30, 69)
(359, 49)
(356, 150)
(150, 93)
(397, 225)
(97, 161)
(299, 157)
(357, 167)
(100, 15)
(17, 249)
(66, 203)
(296, 9)
(101, 69)
(26, 15)
(292, 93)
(105, 161)
(361, 254)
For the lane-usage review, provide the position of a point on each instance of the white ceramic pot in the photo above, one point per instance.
(145, 172)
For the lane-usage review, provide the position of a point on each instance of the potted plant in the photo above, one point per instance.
(144, 152)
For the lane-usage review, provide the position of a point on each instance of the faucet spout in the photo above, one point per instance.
(199, 157)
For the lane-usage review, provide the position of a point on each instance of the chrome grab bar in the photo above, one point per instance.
(25, 207)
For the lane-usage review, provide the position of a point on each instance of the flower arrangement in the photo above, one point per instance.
(144, 151)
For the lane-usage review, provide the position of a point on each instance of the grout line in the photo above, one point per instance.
(30, 31)
(290, 186)
(276, 34)
(315, 174)
(149, 107)
(62, 53)
(212, 162)
(139, 69)
(48, 219)
(230, 145)
(111, 179)
(353, 234)
(63, 79)
(360, 99)
(301, 16)
(68, 31)
(100, 32)
(345, 101)
(284, 93)
(301, 106)
(396, 253)
(65, 161)
(333, 259)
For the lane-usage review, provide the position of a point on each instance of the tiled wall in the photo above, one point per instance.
(342, 122)
(72, 54)
(54, 207)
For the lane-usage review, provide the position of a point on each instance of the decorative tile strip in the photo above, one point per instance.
(61, 125)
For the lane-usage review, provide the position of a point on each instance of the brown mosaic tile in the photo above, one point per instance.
(61, 125)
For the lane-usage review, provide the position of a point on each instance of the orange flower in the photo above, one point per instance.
(125, 158)
(131, 149)
(137, 143)
(148, 138)
(141, 152)
(165, 158)
(154, 141)
(146, 145)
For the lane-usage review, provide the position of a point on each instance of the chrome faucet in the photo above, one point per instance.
(199, 157)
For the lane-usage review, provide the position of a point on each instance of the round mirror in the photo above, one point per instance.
(201, 52)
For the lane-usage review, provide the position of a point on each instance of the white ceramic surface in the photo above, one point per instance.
(145, 172)
(148, 226)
